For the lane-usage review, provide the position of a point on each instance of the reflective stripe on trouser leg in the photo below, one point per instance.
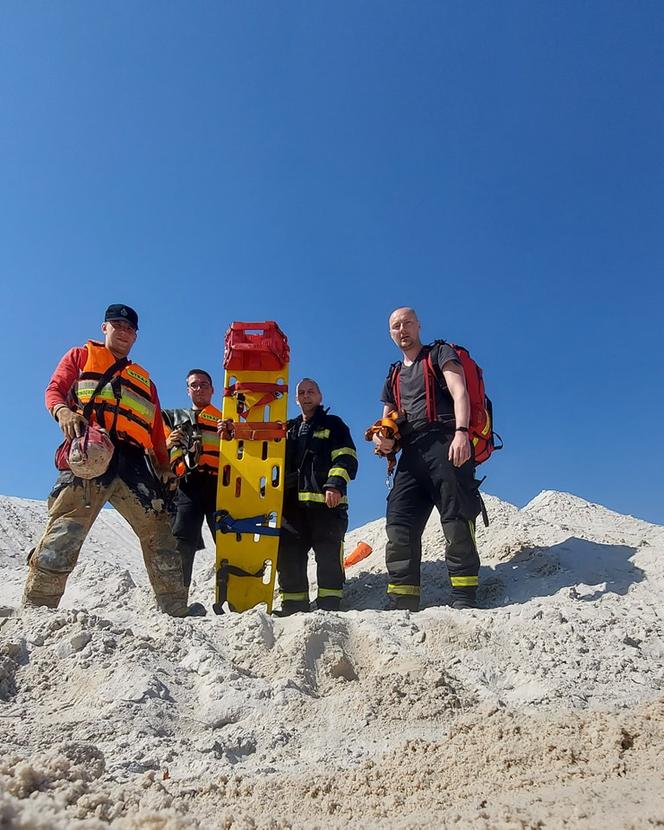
(463, 561)
(160, 555)
(464, 581)
(403, 590)
(72, 508)
(294, 596)
(402, 557)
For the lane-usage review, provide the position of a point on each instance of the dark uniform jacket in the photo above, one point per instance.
(325, 458)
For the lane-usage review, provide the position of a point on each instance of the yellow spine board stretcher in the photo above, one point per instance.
(251, 465)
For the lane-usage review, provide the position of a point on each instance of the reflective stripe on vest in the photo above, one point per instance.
(208, 460)
(131, 415)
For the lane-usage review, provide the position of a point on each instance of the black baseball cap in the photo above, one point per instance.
(117, 311)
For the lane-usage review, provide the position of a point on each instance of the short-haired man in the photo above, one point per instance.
(320, 462)
(124, 402)
(193, 441)
(435, 467)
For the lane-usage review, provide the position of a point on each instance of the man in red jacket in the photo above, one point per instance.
(124, 402)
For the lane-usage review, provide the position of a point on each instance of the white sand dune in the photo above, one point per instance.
(543, 709)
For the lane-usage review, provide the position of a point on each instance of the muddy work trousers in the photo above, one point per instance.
(425, 479)
(195, 502)
(323, 529)
(73, 506)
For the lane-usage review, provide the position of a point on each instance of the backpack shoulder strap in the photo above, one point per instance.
(432, 364)
(113, 370)
(393, 376)
(430, 375)
(394, 368)
(433, 370)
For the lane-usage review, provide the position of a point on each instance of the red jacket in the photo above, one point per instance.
(65, 376)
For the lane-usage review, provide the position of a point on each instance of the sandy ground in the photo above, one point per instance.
(543, 709)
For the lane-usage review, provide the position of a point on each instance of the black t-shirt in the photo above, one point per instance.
(413, 392)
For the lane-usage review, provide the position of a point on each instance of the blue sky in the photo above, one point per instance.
(498, 166)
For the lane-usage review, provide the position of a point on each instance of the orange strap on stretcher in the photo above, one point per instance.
(271, 391)
(253, 430)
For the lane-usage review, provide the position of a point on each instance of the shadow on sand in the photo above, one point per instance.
(590, 569)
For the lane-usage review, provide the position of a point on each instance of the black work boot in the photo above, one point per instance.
(329, 603)
(463, 598)
(403, 602)
(292, 606)
(196, 609)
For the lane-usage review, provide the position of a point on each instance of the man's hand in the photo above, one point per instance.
(225, 429)
(175, 439)
(383, 445)
(168, 479)
(459, 449)
(71, 423)
(332, 497)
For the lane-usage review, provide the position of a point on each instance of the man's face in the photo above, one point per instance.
(308, 397)
(119, 336)
(404, 328)
(200, 390)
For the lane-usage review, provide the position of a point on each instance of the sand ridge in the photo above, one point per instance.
(542, 709)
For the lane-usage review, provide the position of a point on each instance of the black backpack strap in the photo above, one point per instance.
(117, 367)
(393, 382)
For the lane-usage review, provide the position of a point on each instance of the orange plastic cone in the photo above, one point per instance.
(361, 552)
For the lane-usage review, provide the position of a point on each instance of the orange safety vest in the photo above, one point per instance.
(208, 460)
(124, 405)
(207, 421)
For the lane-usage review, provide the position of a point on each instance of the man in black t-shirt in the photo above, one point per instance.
(435, 467)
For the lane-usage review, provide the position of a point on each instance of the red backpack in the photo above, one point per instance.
(480, 426)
